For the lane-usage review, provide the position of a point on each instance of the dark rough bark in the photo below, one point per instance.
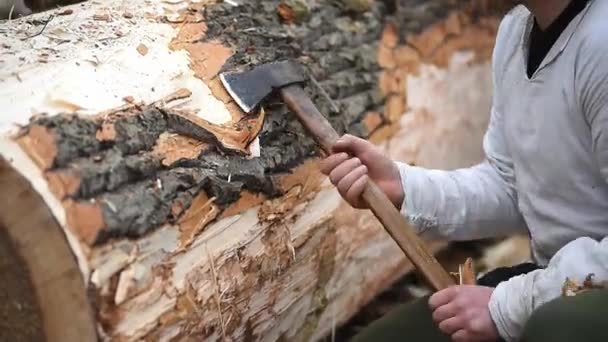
(336, 45)
(75, 138)
(331, 40)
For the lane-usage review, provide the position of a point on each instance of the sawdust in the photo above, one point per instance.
(570, 288)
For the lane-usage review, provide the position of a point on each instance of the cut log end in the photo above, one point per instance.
(44, 296)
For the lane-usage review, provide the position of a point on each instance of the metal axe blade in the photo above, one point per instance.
(250, 88)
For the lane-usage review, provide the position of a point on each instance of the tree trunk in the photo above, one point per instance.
(140, 203)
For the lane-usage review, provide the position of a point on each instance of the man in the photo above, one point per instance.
(545, 172)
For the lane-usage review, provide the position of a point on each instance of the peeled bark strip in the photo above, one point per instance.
(182, 217)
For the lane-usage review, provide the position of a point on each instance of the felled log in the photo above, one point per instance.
(140, 203)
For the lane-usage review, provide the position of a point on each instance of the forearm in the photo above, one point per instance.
(514, 301)
(463, 204)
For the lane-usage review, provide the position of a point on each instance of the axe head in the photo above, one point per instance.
(250, 88)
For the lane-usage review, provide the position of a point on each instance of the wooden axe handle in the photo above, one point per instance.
(396, 225)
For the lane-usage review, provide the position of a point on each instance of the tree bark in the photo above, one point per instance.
(127, 164)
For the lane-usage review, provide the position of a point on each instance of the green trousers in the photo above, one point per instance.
(569, 319)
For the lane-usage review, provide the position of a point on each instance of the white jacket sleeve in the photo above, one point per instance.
(513, 302)
(469, 203)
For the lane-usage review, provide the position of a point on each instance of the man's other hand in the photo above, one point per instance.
(462, 312)
(353, 162)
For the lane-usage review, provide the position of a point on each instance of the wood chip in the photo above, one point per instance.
(467, 274)
(286, 13)
(293, 11)
(66, 12)
(101, 17)
(142, 49)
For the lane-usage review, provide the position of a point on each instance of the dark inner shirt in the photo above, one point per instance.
(542, 41)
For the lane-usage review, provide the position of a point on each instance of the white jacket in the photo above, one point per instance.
(546, 167)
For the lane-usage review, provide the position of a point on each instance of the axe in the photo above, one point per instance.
(250, 88)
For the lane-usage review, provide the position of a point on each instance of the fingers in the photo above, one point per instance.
(444, 312)
(451, 325)
(340, 171)
(352, 194)
(348, 175)
(330, 163)
(345, 183)
(352, 145)
(442, 297)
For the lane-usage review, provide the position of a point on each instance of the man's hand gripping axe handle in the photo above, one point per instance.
(396, 225)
